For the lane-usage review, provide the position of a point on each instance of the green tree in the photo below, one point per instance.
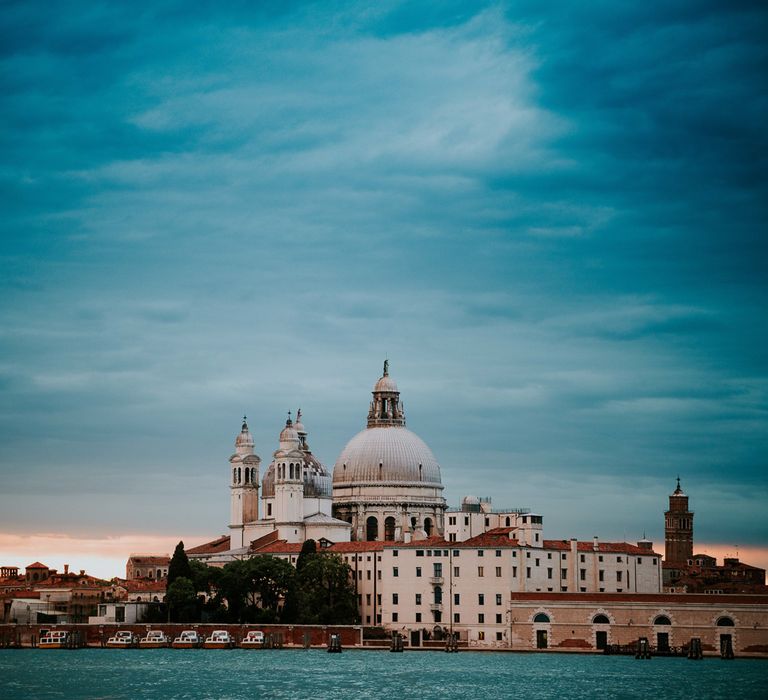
(253, 588)
(307, 550)
(181, 599)
(326, 594)
(179, 565)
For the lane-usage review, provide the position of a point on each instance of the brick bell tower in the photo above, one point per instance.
(678, 528)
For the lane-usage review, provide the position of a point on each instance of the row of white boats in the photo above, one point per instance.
(156, 639)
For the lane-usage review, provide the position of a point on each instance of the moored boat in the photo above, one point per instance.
(122, 639)
(188, 639)
(54, 639)
(219, 639)
(253, 640)
(155, 639)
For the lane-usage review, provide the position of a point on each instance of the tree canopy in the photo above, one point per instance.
(179, 565)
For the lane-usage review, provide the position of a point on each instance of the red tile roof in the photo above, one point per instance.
(343, 547)
(161, 559)
(602, 547)
(264, 540)
(37, 565)
(280, 547)
(219, 545)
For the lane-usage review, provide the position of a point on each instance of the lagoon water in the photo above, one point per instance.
(169, 674)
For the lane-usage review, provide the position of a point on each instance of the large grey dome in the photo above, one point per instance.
(389, 454)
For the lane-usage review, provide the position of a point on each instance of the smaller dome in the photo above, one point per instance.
(244, 439)
(299, 426)
(386, 383)
(288, 433)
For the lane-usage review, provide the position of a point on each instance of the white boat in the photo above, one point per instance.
(253, 640)
(54, 639)
(188, 639)
(122, 639)
(155, 639)
(219, 639)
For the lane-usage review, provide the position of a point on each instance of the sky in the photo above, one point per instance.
(550, 217)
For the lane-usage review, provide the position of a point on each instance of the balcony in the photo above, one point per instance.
(436, 607)
(436, 580)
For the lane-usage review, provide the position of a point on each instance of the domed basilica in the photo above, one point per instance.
(386, 484)
(386, 481)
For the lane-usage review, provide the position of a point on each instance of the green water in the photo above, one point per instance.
(170, 673)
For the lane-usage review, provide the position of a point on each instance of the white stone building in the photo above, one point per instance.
(296, 494)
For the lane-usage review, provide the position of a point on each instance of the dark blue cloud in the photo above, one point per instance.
(551, 218)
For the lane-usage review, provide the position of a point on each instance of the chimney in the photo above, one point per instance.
(66, 569)
(595, 545)
(82, 572)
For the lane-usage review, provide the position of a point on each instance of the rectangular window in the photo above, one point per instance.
(395, 571)
(563, 574)
(498, 552)
(378, 598)
(563, 556)
(452, 520)
(549, 572)
(481, 618)
(582, 574)
(581, 558)
(368, 574)
(618, 575)
(269, 510)
(418, 572)
(452, 537)
(481, 598)
(418, 617)
(481, 634)
(437, 569)
(618, 559)
(527, 572)
(455, 552)
(367, 598)
(436, 553)
(498, 571)
(480, 552)
(394, 617)
(601, 575)
(378, 619)
(480, 571)
(378, 574)
(498, 618)
(456, 572)
(600, 558)
(395, 598)
(527, 555)
(639, 560)
(419, 552)
(498, 599)
(514, 572)
(394, 552)
(456, 617)
(418, 599)
(457, 598)
(549, 555)
(537, 562)
(498, 636)
(466, 520)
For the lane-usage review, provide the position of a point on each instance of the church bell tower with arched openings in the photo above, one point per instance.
(678, 528)
(244, 485)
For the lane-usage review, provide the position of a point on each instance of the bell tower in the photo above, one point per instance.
(678, 528)
(244, 485)
(289, 477)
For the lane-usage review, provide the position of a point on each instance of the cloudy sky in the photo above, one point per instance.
(551, 217)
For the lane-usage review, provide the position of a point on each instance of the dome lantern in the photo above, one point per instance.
(386, 408)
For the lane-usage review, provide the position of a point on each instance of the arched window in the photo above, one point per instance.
(413, 523)
(234, 475)
(159, 574)
(290, 470)
(371, 529)
(247, 475)
(438, 595)
(428, 526)
(389, 529)
(508, 521)
(725, 622)
(541, 617)
(600, 620)
(662, 620)
(239, 475)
